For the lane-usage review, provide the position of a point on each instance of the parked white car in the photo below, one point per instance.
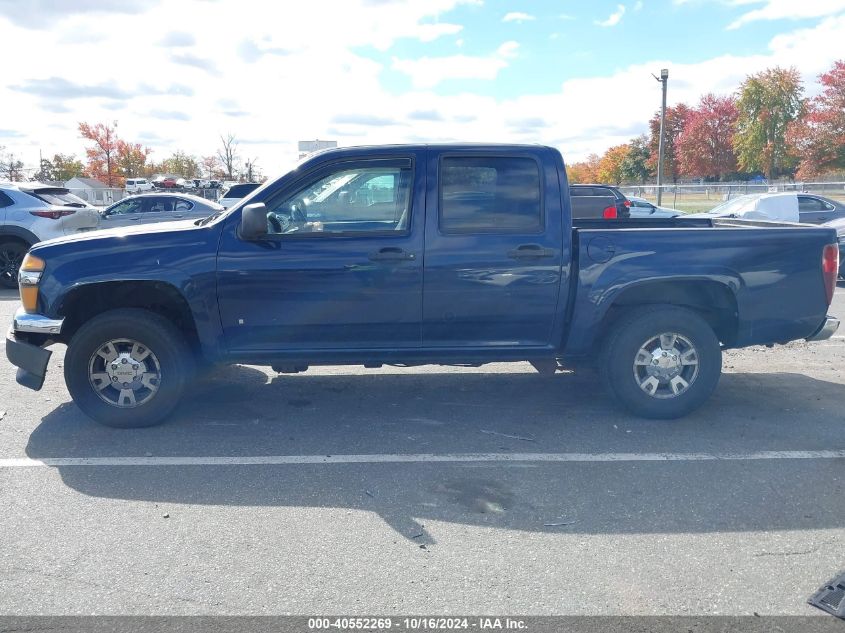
(32, 212)
(775, 207)
(237, 192)
(138, 185)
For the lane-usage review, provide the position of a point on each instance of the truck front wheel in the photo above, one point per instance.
(127, 368)
(661, 361)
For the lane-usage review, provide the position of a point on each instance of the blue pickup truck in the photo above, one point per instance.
(444, 254)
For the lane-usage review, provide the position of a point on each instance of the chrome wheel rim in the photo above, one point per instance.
(124, 373)
(666, 365)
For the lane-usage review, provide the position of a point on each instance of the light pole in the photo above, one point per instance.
(663, 79)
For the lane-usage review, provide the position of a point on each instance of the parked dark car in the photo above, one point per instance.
(452, 254)
(839, 227)
(816, 209)
(599, 201)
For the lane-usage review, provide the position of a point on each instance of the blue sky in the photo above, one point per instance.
(573, 74)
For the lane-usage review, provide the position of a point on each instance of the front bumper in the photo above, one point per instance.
(31, 360)
(828, 329)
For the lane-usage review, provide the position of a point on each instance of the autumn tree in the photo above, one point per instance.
(132, 158)
(584, 171)
(635, 164)
(102, 154)
(705, 148)
(676, 119)
(769, 102)
(610, 166)
(819, 138)
(227, 154)
(211, 167)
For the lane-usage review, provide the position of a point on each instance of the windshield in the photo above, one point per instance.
(58, 197)
(737, 206)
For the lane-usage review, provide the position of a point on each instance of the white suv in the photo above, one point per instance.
(31, 212)
(138, 185)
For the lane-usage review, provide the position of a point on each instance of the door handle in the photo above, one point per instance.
(134, 219)
(390, 254)
(530, 251)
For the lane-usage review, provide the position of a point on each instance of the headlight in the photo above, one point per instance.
(28, 277)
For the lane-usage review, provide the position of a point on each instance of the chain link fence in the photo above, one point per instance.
(693, 198)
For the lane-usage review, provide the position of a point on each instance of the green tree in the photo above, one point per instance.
(64, 167)
(635, 164)
(181, 164)
(769, 102)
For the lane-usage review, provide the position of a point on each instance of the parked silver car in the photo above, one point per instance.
(32, 212)
(157, 207)
(642, 208)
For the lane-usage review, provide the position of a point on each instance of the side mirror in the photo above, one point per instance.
(254, 221)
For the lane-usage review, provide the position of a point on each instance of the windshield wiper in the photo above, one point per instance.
(204, 221)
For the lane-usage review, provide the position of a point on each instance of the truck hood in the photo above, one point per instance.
(125, 232)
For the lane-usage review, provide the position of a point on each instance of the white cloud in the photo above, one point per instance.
(518, 17)
(308, 82)
(786, 9)
(614, 18)
(638, 5)
(428, 72)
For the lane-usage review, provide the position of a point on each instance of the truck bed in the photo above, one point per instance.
(757, 264)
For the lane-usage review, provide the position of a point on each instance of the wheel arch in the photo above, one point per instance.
(713, 300)
(88, 300)
(18, 233)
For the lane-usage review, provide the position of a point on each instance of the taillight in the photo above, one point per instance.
(627, 203)
(609, 213)
(53, 215)
(830, 268)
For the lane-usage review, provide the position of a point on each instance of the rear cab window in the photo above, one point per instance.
(490, 194)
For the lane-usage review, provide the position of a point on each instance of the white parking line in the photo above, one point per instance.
(401, 458)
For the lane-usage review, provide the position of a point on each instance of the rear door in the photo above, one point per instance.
(494, 249)
(814, 211)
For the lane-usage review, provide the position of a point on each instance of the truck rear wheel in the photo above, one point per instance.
(127, 368)
(661, 361)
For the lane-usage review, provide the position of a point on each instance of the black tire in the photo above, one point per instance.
(633, 332)
(168, 356)
(11, 256)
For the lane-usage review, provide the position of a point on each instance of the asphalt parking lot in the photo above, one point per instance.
(344, 490)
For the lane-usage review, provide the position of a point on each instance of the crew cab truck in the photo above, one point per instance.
(444, 254)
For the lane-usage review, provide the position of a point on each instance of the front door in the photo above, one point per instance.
(494, 249)
(341, 268)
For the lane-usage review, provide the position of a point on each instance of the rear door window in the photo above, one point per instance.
(806, 204)
(490, 194)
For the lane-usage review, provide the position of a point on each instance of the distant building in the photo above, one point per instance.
(309, 147)
(92, 190)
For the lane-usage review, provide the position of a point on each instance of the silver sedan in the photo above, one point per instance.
(147, 208)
